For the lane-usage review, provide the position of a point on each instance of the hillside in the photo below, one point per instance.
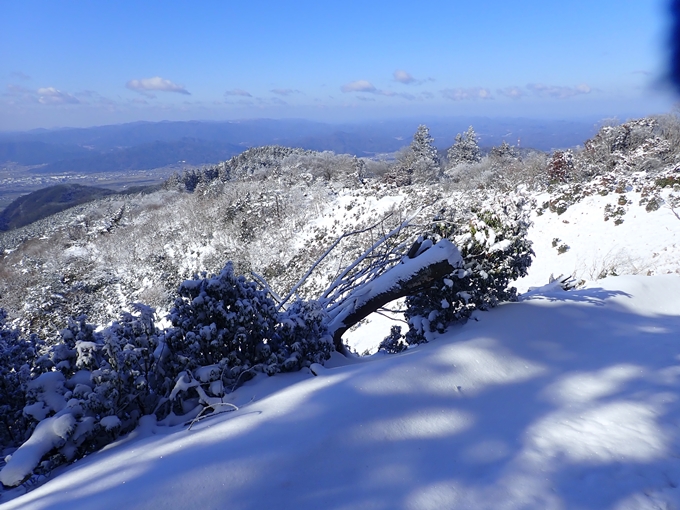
(124, 317)
(46, 202)
(564, 400)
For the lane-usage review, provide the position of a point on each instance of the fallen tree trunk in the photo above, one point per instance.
(410, 276)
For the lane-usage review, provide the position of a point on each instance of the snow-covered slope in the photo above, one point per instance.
(563, 400)
(581, 243)
(645, 243)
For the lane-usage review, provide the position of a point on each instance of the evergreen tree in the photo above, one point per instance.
(419, 162)
(465, 149)
(504, 152)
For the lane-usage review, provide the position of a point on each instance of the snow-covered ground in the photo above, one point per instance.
(645, 243)
(566, 399)
(563, 400)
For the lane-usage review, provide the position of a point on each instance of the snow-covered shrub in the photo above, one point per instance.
(394, 342)
(504, 152)
(226, 328)
(300, 338)
(222, 319)
(560, 166)
(496, 251)
(88, 388)
(16, 360)
(132, 371)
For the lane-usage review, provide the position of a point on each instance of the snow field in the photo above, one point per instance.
(563, 400)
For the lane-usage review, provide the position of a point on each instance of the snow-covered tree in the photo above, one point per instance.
(465, 149)
(419, 162)
(495, 251)
(504, 152)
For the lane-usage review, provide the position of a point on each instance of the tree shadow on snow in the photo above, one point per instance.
(531, 406)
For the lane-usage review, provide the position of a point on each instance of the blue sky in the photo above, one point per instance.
(82, 63)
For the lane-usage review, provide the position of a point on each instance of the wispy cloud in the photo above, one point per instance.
(407, 78)
(359, 86)
(558, 92)
(20, 75)
(18, 94)
(285, 92)
(53, 96)
(44, 95)
(404, 77)
(275, 101)
(512, 92)
(17, 90)
(469, 94)
(368, 88)
(146, 85)
(50, 95)
(91, 96)
(238, 92)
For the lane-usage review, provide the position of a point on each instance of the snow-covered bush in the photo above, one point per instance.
(300, 338)
(87, 389)
(464, 149)
(220, 320)
(496, 251)
(226, 328)
(561, 166)
(16, 360)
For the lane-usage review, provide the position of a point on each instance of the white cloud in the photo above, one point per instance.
(557, 91)
(471, 94)
(285, 92)
(512, 92)
(403, 77)
(238, 92)
(157, 84)
(359, 86)
(50, 95)
(368, 87)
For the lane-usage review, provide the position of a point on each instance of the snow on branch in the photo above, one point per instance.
(293, 291)
(337, 288)
(411, 275)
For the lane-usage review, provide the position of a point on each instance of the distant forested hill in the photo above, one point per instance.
(47, 201)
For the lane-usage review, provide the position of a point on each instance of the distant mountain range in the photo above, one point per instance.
(146, 145)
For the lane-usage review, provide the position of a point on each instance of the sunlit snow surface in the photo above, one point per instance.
(645, 243)
(563, 400)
